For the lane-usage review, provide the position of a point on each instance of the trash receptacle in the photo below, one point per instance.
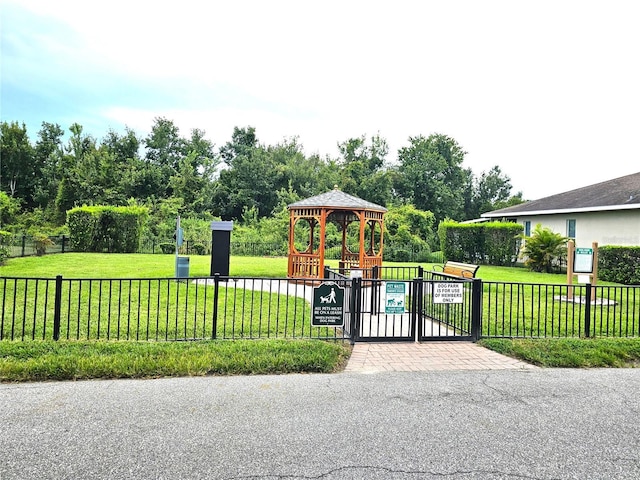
(182, 267)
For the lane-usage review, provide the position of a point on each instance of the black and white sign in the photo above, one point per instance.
(328, 305)
(448, 292)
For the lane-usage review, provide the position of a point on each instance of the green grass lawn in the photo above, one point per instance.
(570, 352)
(115, 265)
(77, 360)
(98, 265)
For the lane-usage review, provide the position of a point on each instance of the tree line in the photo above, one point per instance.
(171, 173)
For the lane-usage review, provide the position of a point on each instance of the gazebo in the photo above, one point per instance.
(308, 220)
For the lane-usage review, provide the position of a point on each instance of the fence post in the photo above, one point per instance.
(24, 244)
(476, 309)
(57, 308)
(416, 307)
(587, 311)
(375, 288)
(354, 302)
(216, 290)
(64, 239)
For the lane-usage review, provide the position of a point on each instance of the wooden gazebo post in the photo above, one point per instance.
(334, 206)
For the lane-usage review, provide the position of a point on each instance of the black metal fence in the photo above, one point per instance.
(162, 309)
(157, 309)
(532, 310)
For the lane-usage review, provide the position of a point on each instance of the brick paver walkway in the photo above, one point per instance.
(410, 356)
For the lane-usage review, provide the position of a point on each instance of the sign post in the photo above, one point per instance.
(182, 263)
(328, 305)
(584, 263)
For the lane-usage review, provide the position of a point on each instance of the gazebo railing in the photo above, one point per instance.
(304, 265)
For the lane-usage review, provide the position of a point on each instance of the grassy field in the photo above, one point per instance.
(97, 265)
(45, 360)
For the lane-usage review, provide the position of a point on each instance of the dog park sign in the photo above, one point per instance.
(328, 305)
(448, 292)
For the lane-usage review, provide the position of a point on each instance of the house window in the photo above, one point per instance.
(571, 228)
(527, 228)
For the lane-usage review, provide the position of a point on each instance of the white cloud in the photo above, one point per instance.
(546, 90)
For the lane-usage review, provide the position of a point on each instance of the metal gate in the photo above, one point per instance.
(416, 310)
(449, 309)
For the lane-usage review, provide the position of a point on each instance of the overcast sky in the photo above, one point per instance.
(547, 90)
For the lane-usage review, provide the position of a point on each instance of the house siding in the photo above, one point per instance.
(620, 228)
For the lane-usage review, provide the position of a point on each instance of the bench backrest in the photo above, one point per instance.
(464, 270)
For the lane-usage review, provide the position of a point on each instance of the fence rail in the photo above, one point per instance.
(157, 309)
(163, 309)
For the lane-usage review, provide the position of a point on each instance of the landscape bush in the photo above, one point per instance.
(619, 264)
(4, 249)
(490, 243)
(106, 228)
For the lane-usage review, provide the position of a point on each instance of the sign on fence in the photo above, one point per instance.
(448, 292)
(395, 295)
(328, 305)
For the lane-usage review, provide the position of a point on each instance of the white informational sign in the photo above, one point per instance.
(583, 260)
(448, 292)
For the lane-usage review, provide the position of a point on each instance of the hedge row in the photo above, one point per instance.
(106, 228)
(619, 264)
(490, 243)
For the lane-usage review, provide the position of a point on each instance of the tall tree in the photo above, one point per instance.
(490, 189)
(164, 145)
(17, 172)
(431, 177)
(48, 156)
(243, 142)
(364, 171)
(250, 179)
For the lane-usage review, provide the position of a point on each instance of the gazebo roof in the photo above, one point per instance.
(337, 199)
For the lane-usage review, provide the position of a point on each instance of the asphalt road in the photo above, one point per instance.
(506, 424)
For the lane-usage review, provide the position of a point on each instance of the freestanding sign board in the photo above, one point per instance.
(583, 260)
(220, 247)
(395, 298)
(328, 305)
(448, 292)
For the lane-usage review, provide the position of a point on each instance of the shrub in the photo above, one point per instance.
(40, 243)
(619, 264)
(198, 249)
(167, 247)
(4, 249)
(106, 229)
(493, 243)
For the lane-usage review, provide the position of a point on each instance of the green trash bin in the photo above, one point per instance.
(182, 267)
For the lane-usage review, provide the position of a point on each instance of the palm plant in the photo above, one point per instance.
(544, 249)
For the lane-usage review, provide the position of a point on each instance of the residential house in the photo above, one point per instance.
(607, 213)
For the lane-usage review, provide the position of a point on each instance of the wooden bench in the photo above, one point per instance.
(458, 269)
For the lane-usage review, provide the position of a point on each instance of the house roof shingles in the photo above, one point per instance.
(616, 194)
